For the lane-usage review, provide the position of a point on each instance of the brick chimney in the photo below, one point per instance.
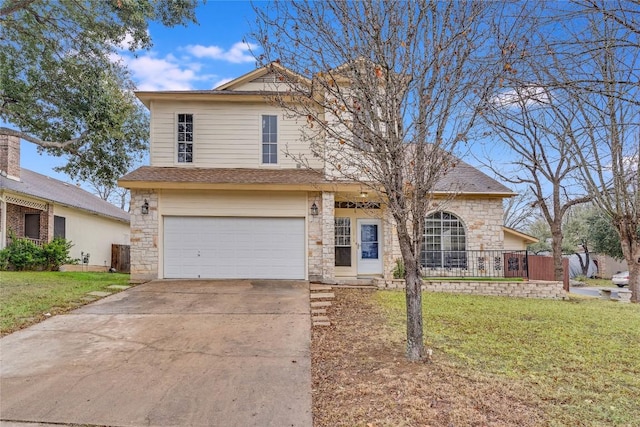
(10, 156)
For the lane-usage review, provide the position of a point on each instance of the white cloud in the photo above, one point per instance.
(221, 82)
(151, 73)
(238, 54)
(526, 96)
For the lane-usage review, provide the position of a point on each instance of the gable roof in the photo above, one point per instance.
(52, 190)
(273, 67)
(519, 234)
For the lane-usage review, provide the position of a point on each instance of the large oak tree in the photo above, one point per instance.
(61, 86)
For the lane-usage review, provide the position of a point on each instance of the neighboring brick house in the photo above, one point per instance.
(221, 200)
(39, 208)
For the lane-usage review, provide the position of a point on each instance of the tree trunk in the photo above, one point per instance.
(415, 333)
(413, 295)
(631, 251)
(556, 247)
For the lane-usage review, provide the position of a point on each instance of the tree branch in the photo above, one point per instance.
(64, 145)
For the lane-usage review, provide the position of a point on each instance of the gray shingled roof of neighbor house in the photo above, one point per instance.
(463, 178)
(50, 189)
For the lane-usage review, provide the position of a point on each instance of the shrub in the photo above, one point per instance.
(56, 253)
(22, 254)
(398, 270)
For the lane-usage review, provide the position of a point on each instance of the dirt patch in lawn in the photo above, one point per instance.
(361, 378)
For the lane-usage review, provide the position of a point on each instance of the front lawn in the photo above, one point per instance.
(25, 297)
(581, 359)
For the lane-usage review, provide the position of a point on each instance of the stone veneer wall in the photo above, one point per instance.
(144, 236)
(328, 237)
(315, 239)
(482, 219)
(526, 289)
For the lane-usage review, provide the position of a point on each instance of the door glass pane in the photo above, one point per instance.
(369, 241)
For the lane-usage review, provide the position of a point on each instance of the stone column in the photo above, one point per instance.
(328, 237)
(315, 238)
(144, 236)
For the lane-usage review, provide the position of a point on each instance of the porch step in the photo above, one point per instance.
(320, 298)
(322, 295)
(317, 304)
(316, 287)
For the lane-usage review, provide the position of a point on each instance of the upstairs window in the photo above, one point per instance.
(185, 138)
(269, 140)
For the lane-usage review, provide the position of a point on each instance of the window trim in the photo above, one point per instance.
(177, 142)
(276, 143)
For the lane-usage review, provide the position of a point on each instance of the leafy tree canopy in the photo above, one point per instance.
(61, 87)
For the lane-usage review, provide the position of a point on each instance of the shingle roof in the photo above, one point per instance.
(463, 178)
(50, 189)
(226, 175)
(468, 179)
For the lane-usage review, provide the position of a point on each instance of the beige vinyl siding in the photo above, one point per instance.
(233, 203)
(93, 234)
(226, 135)
(513, 242)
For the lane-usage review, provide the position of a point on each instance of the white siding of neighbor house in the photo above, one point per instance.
(93, 234)
(226, 135)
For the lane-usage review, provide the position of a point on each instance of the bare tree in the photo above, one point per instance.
(596, 68)
(113, 194)
(389, 91)
(519, 211)
(538, 131)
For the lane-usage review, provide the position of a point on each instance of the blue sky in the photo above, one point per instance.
(199, 56)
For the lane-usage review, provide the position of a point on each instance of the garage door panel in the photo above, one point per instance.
(214, 247)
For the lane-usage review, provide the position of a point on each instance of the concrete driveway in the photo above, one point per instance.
(166, 353)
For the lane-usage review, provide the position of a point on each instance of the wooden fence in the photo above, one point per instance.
(541, 268)
(120, 258)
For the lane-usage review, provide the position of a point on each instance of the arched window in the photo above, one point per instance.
(445, 242)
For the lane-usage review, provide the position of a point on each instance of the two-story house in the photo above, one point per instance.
(221, 199)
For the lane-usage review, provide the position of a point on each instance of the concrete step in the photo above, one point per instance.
(321, 295)
(321, 323)
(316, 304)
(318, 311)
(315, 287)
(319, 318)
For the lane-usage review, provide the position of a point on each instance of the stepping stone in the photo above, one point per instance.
(119, 287)
(320, 288)
(322, 295)
(316, 304)
(320, 318)
(321, 323)
(318, 311)
(99, 294)
(88, 299)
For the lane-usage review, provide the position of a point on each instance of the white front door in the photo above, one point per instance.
(369, 246)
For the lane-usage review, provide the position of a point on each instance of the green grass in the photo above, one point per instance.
(580, 357)
(25, 297)
(598, 282)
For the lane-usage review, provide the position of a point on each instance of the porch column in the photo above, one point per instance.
(328, 237)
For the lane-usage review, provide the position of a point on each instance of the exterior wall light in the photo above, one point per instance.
(145, 207)
(314, 209)
(363, 194)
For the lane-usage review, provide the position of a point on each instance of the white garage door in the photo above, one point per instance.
(234, 248)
